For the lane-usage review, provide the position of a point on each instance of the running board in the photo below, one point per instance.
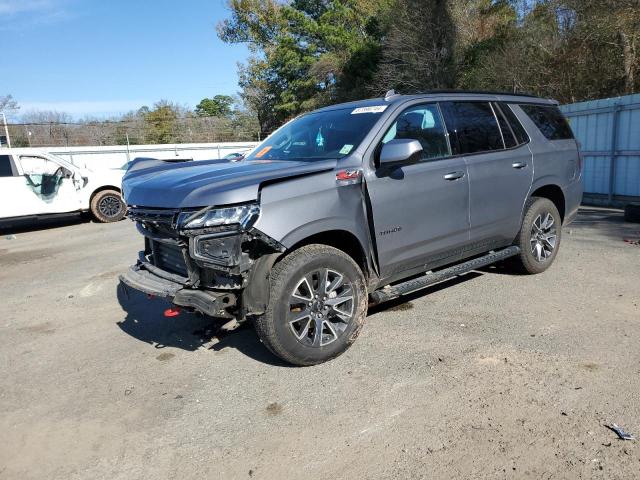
(391, 292)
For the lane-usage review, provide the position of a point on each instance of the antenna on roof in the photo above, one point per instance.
(390, 94)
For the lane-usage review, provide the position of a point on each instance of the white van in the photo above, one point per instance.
(35, 184)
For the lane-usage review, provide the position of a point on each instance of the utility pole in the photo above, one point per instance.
(6, 129)
(26, 130)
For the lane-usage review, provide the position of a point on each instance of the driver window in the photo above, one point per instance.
(422, 123)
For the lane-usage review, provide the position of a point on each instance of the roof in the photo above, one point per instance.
(393, 98)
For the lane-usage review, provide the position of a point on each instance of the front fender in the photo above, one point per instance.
(294, 210)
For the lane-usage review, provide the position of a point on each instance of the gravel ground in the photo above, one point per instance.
(487, 376)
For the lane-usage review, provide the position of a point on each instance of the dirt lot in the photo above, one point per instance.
(488, 376)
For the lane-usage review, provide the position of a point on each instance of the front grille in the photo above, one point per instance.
(152, 215)
(169, 257)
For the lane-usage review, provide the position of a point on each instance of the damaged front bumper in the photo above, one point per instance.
(153, 281)
(218, 273)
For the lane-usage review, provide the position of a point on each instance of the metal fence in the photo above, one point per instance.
(609, 134)
(62, 131)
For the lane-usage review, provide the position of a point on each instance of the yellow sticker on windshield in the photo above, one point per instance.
(345, 150)
(262, 152)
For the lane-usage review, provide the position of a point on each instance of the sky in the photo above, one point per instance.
(101, 58)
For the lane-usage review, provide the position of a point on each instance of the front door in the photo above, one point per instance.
(51, 189)
(420, 209)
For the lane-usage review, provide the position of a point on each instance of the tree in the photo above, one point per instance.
(304, 53)
(418, 55)
(8, 105)
(218, 106)
(161, 122)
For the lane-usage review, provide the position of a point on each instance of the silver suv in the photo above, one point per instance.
(353, 205)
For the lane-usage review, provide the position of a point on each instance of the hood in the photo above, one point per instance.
(158, 184)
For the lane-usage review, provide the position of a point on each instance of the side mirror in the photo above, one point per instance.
(66, 173)
(399, 150)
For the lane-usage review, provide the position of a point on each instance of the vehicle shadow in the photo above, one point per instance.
(25, 226)
(146, 322)
(403, 302)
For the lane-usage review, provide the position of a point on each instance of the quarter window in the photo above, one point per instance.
(550, 121)
(510, 140)
(422, 123)
(472, 126)
(514, 123)
(5, 166)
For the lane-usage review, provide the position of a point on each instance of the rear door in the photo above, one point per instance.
(420, 208)
(500, 169)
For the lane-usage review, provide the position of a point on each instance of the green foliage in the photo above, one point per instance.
(309, 53)
(161, 121)
(305, 53)
(218, 106)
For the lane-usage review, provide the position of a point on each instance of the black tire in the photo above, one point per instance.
(538, 247)
(292, 280)
(632, 213)
(108, 206)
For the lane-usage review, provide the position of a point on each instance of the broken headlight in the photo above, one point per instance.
(242, 215)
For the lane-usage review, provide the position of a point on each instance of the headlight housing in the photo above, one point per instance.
(242, 215)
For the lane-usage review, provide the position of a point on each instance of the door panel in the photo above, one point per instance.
(499, 176)
(499, 185)
(418, 214)
(16, 199)
(50, 191)
(421, 208)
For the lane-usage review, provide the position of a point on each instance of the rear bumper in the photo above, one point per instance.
(146, 278)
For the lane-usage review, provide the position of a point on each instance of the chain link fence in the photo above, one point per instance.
(192, 129)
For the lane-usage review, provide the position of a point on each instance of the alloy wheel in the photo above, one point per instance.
(110, 206)
(321, 307)
(543, 237)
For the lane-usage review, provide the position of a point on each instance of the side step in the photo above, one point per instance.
(394, 291)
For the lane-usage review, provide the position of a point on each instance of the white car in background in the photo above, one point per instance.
(36, 184)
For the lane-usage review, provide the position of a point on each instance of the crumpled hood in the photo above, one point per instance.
(160, 184)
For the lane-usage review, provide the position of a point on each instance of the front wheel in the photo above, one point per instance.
(317, 305)
(539, 236)
(108, 206)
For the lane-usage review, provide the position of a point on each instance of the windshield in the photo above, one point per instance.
(321, 135)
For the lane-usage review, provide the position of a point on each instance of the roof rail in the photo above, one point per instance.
(481, 92)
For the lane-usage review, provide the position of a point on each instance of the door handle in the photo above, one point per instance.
(519, 165)
(454, 176)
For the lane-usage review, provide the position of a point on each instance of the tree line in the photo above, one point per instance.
(310, 53)
(306, 54)
(221, 118)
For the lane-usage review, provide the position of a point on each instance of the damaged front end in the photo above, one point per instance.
(210, 260)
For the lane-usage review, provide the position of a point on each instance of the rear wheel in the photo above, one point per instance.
(539, 236)
(108, 206)
(317, 305)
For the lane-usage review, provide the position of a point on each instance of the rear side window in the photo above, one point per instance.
(472, 126)
(5, 166)
(550, 121)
